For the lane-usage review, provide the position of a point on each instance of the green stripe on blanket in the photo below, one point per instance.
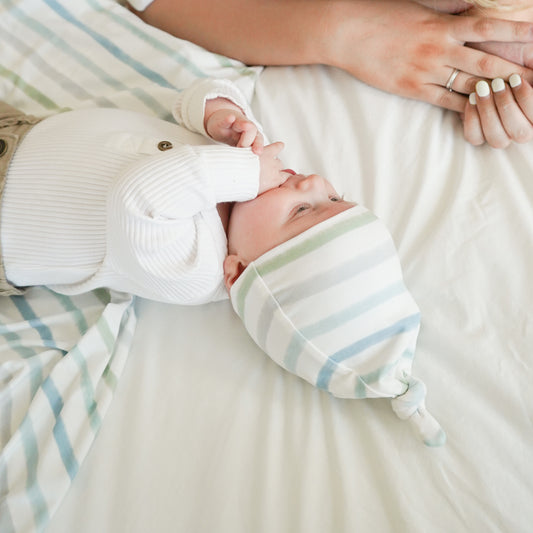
(61, 357)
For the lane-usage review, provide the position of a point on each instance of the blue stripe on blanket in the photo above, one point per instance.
(111, 47)
(65, 354)
(35, 322)
(84, 60)
(150, 40)
(50, 72)
(60, 434)
(33, 489)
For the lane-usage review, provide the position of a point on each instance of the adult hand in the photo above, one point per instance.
(502, 113)
(408, 49)
(399, 46)
(500, 116)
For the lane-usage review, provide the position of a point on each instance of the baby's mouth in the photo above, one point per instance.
(289, 170)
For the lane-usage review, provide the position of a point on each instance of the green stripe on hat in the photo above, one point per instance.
(315, 240)
(248, 277)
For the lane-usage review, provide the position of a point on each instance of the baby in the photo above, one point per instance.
(111, 198)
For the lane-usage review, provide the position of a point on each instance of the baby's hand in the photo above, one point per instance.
(271, 174)
(225, 122)
(499, 113)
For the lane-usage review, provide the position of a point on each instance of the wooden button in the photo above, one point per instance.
(164, 145)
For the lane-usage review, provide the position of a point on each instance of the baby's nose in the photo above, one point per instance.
(309, 182)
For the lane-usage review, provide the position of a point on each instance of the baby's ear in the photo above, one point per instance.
(233, 268)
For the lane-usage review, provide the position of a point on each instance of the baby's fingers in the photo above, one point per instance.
(247, 132)
(258, 144)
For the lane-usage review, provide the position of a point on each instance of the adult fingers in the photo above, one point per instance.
(479, 29)
(442, 97)
(480, 64)
(515, 122)
(472, 128)
(523, 93)
(462, 83)
(493, 128)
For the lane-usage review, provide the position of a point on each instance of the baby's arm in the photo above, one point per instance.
(218, 110)
(221, 98)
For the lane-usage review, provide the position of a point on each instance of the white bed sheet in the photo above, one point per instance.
(205, 433)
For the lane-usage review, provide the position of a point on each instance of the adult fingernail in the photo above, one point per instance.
(498, 85)
(472, 98)
(515, 80)
(482, 88)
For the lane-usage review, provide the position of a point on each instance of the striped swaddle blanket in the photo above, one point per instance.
(330, 305)
(61, 357)
(60, 361)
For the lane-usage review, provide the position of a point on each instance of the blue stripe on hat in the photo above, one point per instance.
(365, 381)
(327, 371)
(336, 320)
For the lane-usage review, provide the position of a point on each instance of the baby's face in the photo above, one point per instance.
(279, 214)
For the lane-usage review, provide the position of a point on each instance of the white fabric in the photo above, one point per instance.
(90, 201)
(205, 433)
(140, 5)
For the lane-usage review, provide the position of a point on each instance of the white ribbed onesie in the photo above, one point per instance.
(92, 201)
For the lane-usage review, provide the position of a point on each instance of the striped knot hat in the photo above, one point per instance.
(330, 306)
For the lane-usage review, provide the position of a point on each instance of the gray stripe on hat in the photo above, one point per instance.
(325, 280)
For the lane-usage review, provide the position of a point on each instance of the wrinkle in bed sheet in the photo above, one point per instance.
(204, 432)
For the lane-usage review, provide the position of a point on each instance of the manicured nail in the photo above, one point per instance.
(482, 88)
(498, 85)
(472, 98)
(515, 80)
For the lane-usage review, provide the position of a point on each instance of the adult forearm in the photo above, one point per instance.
(257, 32)
(399, 46)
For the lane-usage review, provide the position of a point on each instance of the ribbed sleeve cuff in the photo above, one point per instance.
(233, 172)
(189, 108)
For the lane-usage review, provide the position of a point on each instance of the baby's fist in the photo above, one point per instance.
(271, 173)
(230, 126)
